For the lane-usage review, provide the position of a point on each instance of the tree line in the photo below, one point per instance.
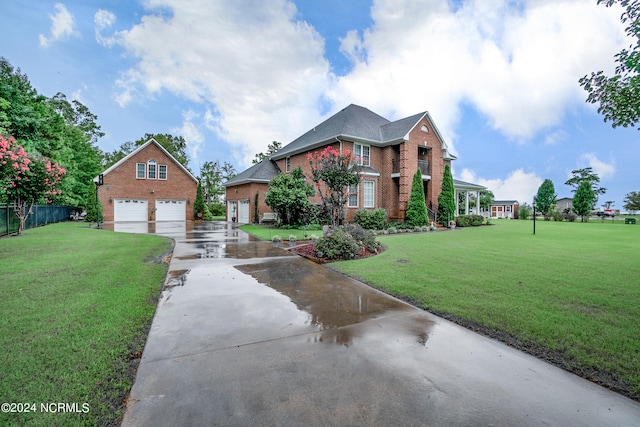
(38, 133)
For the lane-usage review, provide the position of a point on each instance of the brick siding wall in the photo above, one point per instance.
(121, 182)
(392, 194)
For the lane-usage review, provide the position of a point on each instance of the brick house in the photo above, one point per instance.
(389, 152)
(147, 185)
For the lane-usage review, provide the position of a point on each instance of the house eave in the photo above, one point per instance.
(137, 150)
(246, 181)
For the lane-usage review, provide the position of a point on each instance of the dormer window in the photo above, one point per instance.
(151, 169)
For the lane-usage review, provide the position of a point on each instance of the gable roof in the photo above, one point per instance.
(358, 124)
(260, 172)
(142, 147)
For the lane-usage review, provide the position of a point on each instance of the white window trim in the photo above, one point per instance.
(373, 194)
(360, 157)
(349, 205)
(166, 172)
(155, 169)
(144, 172)
(287, 164)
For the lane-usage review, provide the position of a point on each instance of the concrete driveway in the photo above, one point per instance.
(246, 334)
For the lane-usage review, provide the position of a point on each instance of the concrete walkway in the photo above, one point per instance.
(246, 334)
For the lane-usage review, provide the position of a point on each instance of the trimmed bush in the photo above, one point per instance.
(371, 220)
(346, 242)
(416, 214)
(469, 220)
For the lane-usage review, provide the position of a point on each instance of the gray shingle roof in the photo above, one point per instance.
(353, 121)
(260, 172)
(357, 124)
(399, 128)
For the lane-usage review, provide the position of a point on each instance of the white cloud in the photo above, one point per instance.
(602, 169)
(261, 71)
(260, 75)
(192, 135)
(62, 26)
(518, 185)
(103, 20)
(518, 63)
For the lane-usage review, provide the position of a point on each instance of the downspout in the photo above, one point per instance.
(340, 141)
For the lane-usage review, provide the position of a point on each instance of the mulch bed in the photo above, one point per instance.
(308, 251)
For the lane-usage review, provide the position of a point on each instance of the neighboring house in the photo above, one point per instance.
(503, 209)
(564, 203)
(147, 185)
(389, 153)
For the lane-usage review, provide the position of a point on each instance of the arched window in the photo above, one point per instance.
(151, 169)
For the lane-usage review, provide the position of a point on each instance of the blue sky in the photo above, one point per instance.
(500, 78)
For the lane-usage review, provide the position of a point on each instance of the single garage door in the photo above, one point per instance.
(171, 210)
(232, 206)
(130, 210)
(243, 212)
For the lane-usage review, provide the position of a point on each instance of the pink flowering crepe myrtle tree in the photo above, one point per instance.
(25, 179)
(337, 171)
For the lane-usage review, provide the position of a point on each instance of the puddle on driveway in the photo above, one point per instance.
(226, 249)
(332, 300)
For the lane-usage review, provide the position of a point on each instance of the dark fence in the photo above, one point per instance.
(40, 215)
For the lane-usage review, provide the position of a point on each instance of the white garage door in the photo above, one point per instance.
(171, 210)
(232, 206)
(130, 210)
(243, 211)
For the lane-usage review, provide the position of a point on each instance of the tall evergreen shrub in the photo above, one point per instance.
(446, 200)
(416, 209)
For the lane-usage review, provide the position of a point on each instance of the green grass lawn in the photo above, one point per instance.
(570, 294)
(75, 308)
(266, 232)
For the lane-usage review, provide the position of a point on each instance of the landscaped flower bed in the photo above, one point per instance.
(308, 251)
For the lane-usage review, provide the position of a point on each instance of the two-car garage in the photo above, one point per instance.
(138, 210)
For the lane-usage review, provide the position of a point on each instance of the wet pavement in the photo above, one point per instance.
(246, 334)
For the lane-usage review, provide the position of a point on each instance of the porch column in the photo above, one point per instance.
(466, 202)
(457, 212)
(477, 202)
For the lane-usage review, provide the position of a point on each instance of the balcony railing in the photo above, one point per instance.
(423, 165)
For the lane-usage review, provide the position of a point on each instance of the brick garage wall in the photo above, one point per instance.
(248, 192)
(121, 182)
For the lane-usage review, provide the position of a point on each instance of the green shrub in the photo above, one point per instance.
(416, 214)
(469, 220)
(346, 242)
(524, 211)
(206, 213)
(371, 220)
(216, 208)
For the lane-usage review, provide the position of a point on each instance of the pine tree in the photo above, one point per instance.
(417, 210)
(446, 200)
(198, 204)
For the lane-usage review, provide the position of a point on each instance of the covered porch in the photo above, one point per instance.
(466, 190)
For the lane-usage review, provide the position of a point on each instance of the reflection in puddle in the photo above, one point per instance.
(176, 278)
(226, 249)
(333, 301)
